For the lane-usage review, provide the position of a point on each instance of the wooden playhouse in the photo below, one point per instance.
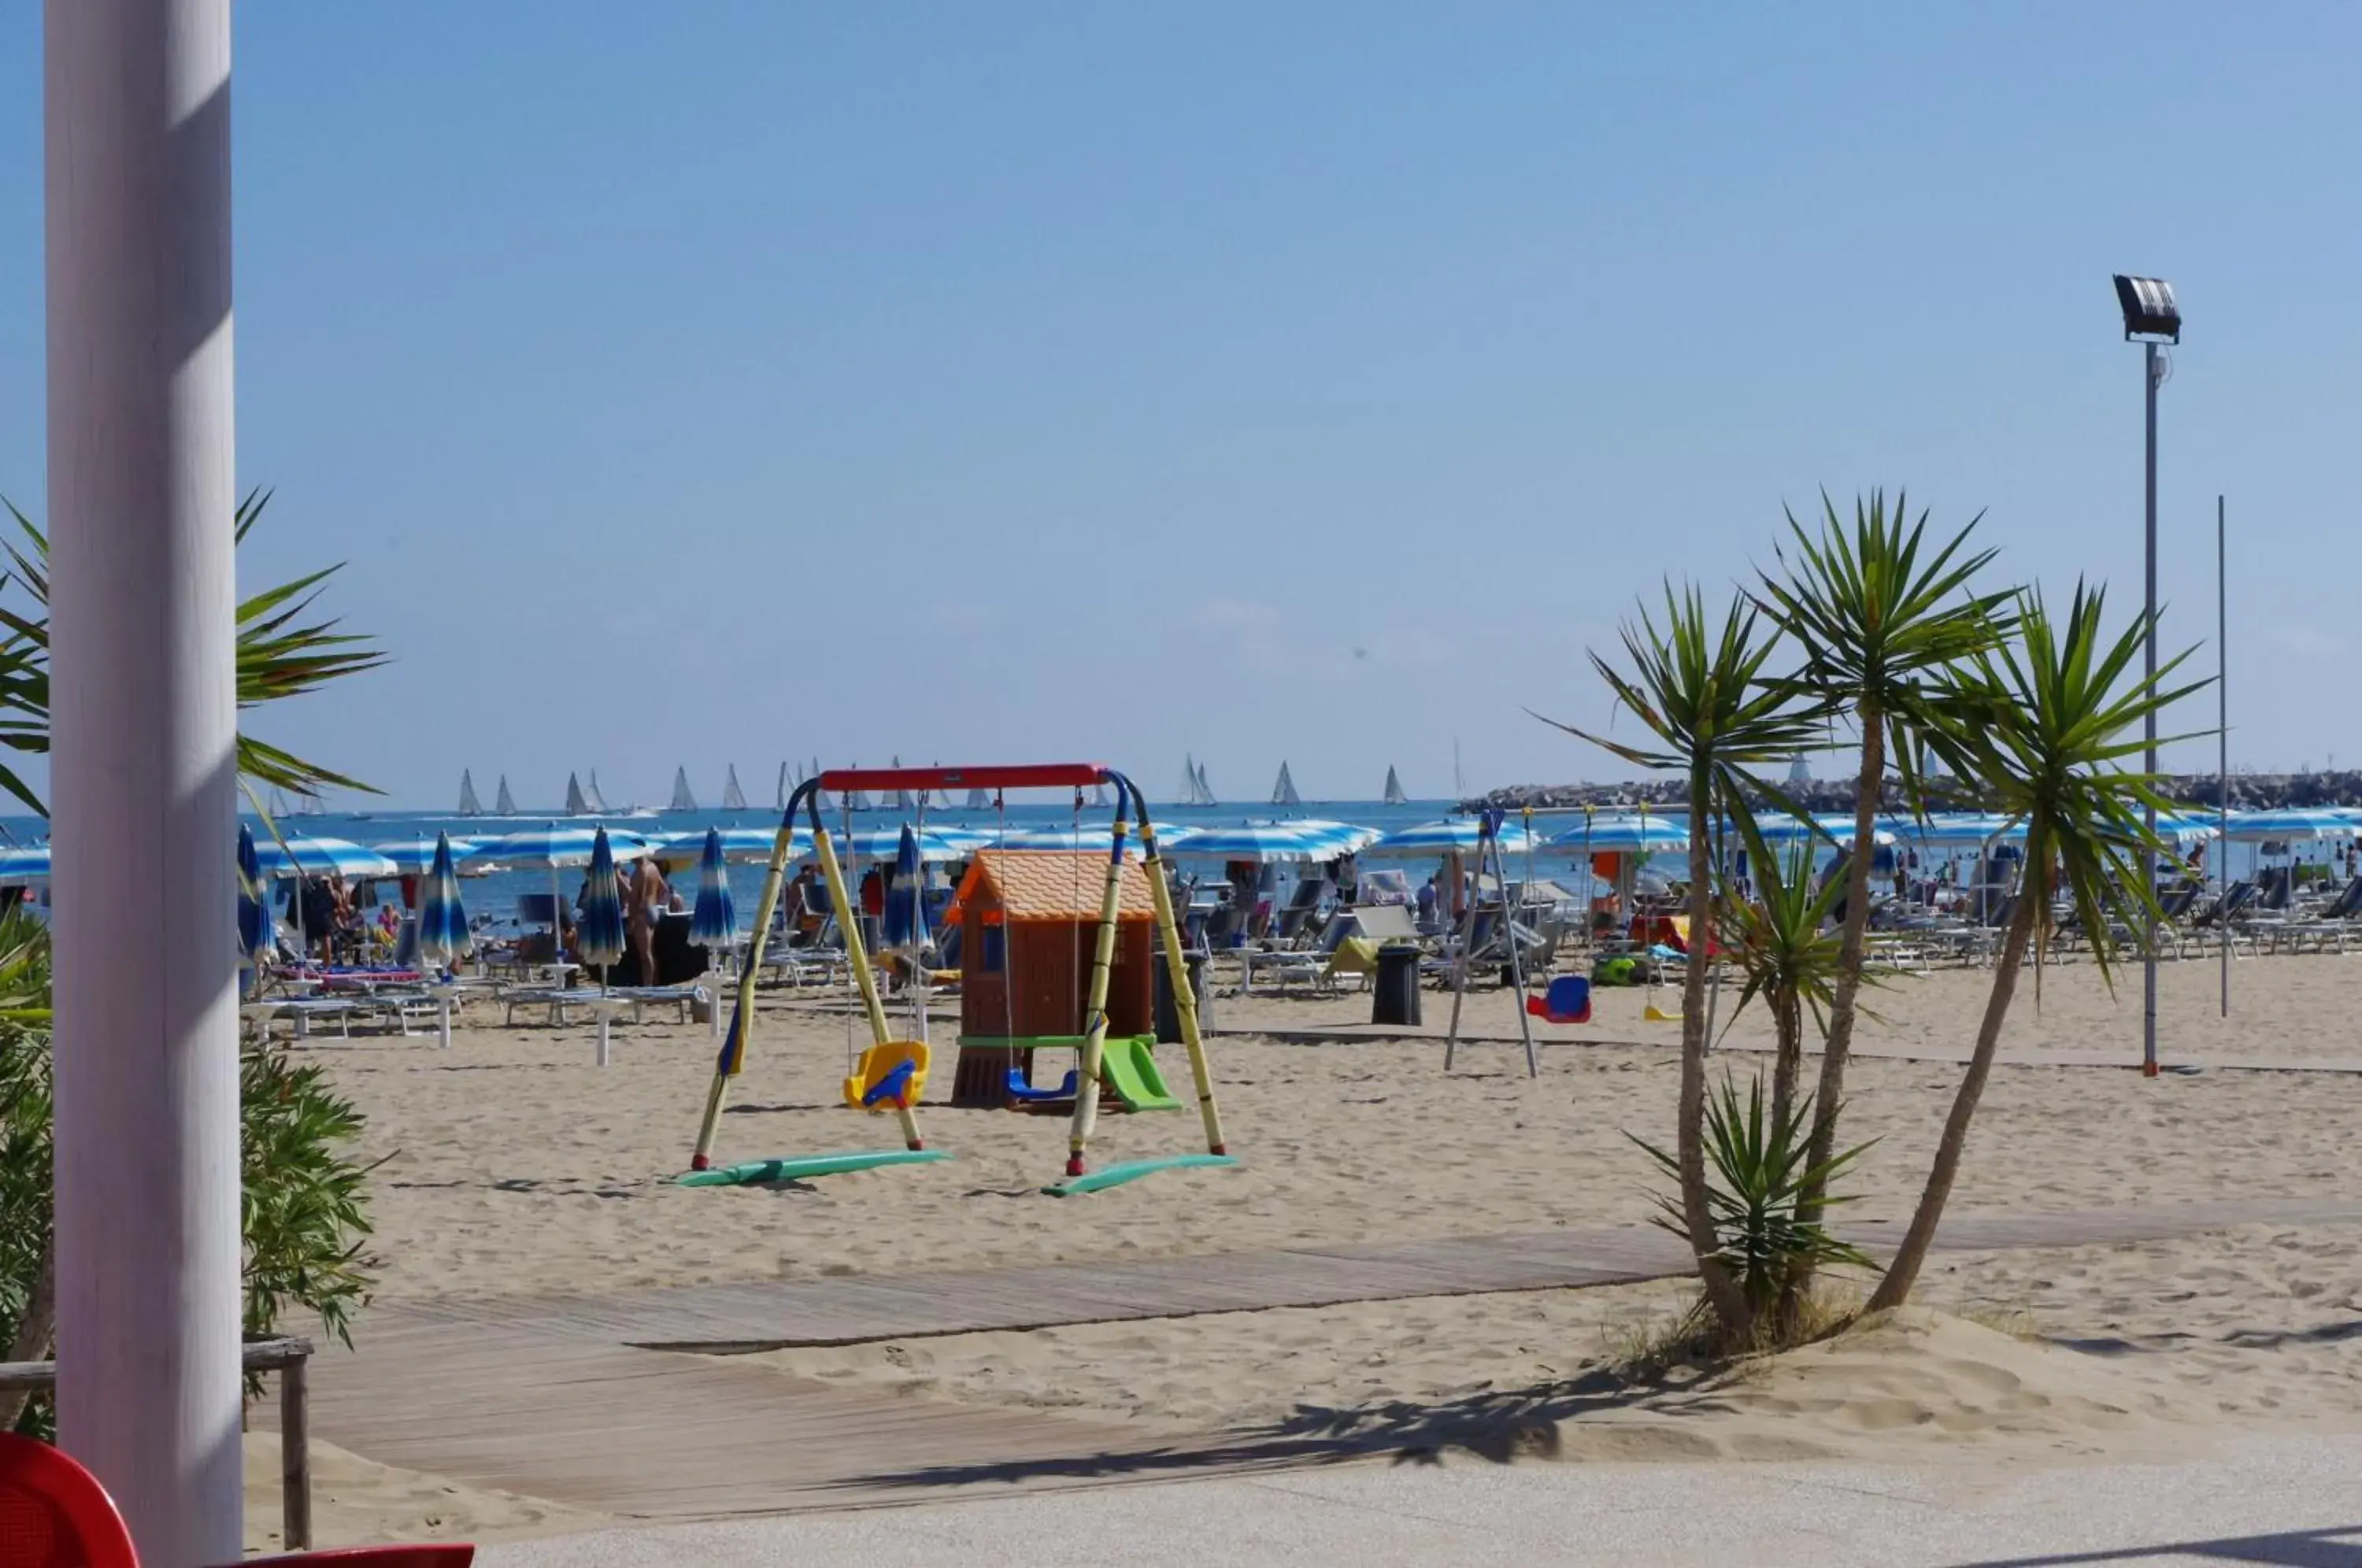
(1029, 921)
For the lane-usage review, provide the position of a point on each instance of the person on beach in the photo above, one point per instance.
(646, 896)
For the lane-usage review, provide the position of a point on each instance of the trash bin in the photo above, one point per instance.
(1168, 1017)
(1394, 997)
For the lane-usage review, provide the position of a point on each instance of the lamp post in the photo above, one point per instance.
(2152, 319)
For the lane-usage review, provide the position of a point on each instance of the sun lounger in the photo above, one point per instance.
(1310, 965)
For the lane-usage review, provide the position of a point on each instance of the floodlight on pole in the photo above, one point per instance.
(2152, 318)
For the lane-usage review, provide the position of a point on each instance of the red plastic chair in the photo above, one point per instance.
(447, 1554)
(54, 1514)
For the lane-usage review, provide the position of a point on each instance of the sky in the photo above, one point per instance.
(709, 383)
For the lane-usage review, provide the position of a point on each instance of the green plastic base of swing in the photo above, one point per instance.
(1133, 1170)
(810, 1165)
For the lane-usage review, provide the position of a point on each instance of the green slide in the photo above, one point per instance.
(1130, 1072)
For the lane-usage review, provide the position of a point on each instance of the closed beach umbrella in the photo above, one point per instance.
(254, 923)
(714, 922)
(322, 857)
(442, 934)
(1449, 836)
(906, 921)
(600, 938)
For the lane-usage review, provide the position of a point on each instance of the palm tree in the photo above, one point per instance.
(2056, 717)
(279, 654)
(1877, 627)
(1699, 691)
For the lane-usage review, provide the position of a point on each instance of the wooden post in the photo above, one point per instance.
(1185, 996)
(141, 493)
(295, 1454)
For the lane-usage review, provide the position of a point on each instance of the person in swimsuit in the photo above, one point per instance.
(646, 897)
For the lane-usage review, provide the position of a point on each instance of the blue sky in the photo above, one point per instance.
(708, 383)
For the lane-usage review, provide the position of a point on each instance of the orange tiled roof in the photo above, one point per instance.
(1053, 885)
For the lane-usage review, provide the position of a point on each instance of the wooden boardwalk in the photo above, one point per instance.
(564, 1398)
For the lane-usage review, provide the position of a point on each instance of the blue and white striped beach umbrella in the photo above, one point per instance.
(714, 922)
(255, 931)
(1296, 839)
(1951, 830)
(906, 917)
(598, 939)
(28, 864)
(442, 934)
(416, 857)
(2189, 828)
(1448, 835)
(2291, 824)
(747, 845)
(936, 845)
(552, 846)
(1780, 830)
(1625, 832)
(322, 857)
(1091, 837)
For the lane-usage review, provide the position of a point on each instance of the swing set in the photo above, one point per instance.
(892, 1074)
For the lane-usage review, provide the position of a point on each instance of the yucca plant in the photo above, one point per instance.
(2054, 721)
(1779, 940)
(1765, 1239)
(1879, 618)
(1697, 685)
(281, 653)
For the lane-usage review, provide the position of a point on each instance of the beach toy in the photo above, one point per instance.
(1568, 1001)
(893, 1074)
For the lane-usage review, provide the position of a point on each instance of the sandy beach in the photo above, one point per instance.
(513, 1166)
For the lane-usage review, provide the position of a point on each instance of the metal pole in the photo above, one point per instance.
(143, 772)
(2152, 368)
(2223, 728)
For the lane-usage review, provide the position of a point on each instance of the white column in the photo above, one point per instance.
(140, 495)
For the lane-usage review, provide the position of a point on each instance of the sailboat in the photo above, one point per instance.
(1394, 795)
(1099, 795)
(469, 805)
(682, 800)
(1205, 791)
(902, 797)
(783, 788)
(1189, 795)
(310, 806)
(504, 803)
(977, 800)
(734, 799)
(857, 799)
(820, 796)
(278, 806)
(576, 806)
(1282, 790)
(598, 801)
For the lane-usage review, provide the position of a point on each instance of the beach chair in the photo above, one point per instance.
(2331, 924)
(1294, 920)
(1306, 964)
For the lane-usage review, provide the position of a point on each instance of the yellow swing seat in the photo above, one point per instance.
(893, 1075)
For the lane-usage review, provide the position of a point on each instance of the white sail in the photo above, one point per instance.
(682, 800)
(1205, 791)
(1282, 790)
(1394, 795)
(310, 806)
(1189, 795)
(1099, 795)
(576, 806)
(977, 800)
(902, 802)
(504, 803)
(598, 801)
(734, 799)
(469, 805)
(783, 788)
